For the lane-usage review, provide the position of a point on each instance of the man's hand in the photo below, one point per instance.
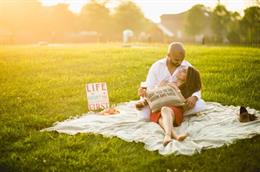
(191, 101)
(141, 91)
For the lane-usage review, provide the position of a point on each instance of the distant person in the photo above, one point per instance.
(165, 70)
(127, 35)
(203, 40)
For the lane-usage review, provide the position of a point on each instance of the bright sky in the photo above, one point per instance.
(153, 9)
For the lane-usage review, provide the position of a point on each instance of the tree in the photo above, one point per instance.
(129, 16)
(19, 15)
(21, 18)
(57, 21)
(233, 34)
(60, 17)
(197, 20)
(95, 16)
(250, 25)
(219, 22)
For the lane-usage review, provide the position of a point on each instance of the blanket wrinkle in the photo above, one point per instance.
(216, 126)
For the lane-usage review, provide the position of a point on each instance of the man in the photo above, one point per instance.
(165, 70)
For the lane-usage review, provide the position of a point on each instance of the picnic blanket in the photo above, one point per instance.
(215, 126)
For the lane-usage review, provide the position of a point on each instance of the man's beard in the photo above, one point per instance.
(176, 64)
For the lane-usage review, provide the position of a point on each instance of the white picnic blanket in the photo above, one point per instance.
(214, 127)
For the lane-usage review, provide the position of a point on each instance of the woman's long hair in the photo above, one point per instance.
(193, 83)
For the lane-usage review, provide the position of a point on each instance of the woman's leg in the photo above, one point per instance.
(167, 138)
(166, 122)
(173, 133)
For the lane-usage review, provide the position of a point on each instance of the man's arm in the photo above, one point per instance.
(150, 81)
(151, 78)
(197, 94)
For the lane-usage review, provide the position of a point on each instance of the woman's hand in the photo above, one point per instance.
(191, 101)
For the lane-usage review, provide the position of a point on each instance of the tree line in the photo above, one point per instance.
(29, 21)
(225, 25)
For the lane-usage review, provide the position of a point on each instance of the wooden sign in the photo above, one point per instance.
(97, 96)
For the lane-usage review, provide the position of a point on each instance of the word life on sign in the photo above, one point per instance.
(97, 96)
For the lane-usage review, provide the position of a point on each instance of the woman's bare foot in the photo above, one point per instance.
(167, 139)
(181, 137)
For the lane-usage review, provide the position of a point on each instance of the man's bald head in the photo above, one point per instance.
(176, 47)
(176, 53)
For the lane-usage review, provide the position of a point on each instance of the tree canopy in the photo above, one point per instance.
(202, 16)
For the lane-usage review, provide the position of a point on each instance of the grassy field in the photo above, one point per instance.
(42, 85)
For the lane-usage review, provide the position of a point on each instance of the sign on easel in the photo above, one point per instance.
(97, 96)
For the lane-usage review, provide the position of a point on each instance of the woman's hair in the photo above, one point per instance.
(193, 83)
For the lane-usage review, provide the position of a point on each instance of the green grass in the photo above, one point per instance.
(42, 85)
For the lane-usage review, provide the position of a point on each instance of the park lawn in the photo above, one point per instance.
(40, 85)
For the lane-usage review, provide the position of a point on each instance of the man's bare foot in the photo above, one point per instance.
(167, 139)
(181, 137)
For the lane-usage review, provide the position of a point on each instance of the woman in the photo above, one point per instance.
(188, 81)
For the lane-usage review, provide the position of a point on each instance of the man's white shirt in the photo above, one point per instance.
(159, 72)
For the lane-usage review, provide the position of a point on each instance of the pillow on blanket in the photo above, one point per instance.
(164, 96)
